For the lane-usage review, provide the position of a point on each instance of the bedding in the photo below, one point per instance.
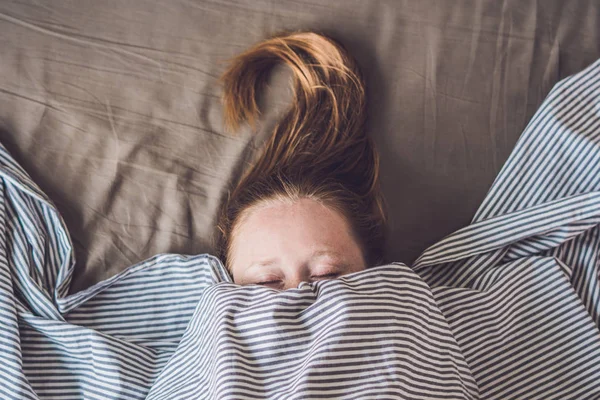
(113, 107)
(504, 308)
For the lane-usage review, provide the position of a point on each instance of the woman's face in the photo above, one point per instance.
(280, 244)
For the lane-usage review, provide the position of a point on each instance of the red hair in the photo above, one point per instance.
(318, 150)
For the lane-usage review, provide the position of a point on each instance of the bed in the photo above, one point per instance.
(113, 107)
(112, 144)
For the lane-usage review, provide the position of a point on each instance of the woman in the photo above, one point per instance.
(506, 308)
(310, 207)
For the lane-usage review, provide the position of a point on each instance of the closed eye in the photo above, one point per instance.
(267, 283)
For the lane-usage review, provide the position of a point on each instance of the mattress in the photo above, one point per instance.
(113, 107)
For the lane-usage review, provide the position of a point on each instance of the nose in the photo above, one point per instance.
(292, 283)
(294, 280)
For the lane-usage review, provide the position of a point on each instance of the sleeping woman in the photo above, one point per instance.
(299, 303)
(310, 207)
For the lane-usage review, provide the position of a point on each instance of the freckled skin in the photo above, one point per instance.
(280, 244)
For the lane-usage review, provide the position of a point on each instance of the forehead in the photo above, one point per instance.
(297, 227)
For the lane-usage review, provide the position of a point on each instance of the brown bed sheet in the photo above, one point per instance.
(113, 106)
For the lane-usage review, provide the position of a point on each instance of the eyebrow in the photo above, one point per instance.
(320, 253)
(326, 253)
(264, 263)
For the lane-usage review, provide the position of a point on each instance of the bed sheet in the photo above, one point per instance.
(505, 308)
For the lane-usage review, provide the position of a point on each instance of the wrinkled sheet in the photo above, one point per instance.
(113, 107)
(504, 308)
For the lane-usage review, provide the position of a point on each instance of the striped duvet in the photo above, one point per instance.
(506, 308)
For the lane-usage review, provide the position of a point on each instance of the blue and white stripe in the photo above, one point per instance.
(505, 308)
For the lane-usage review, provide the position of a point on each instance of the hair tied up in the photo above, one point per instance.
(319, 148)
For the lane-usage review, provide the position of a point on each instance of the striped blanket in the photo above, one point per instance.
(505, 308)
